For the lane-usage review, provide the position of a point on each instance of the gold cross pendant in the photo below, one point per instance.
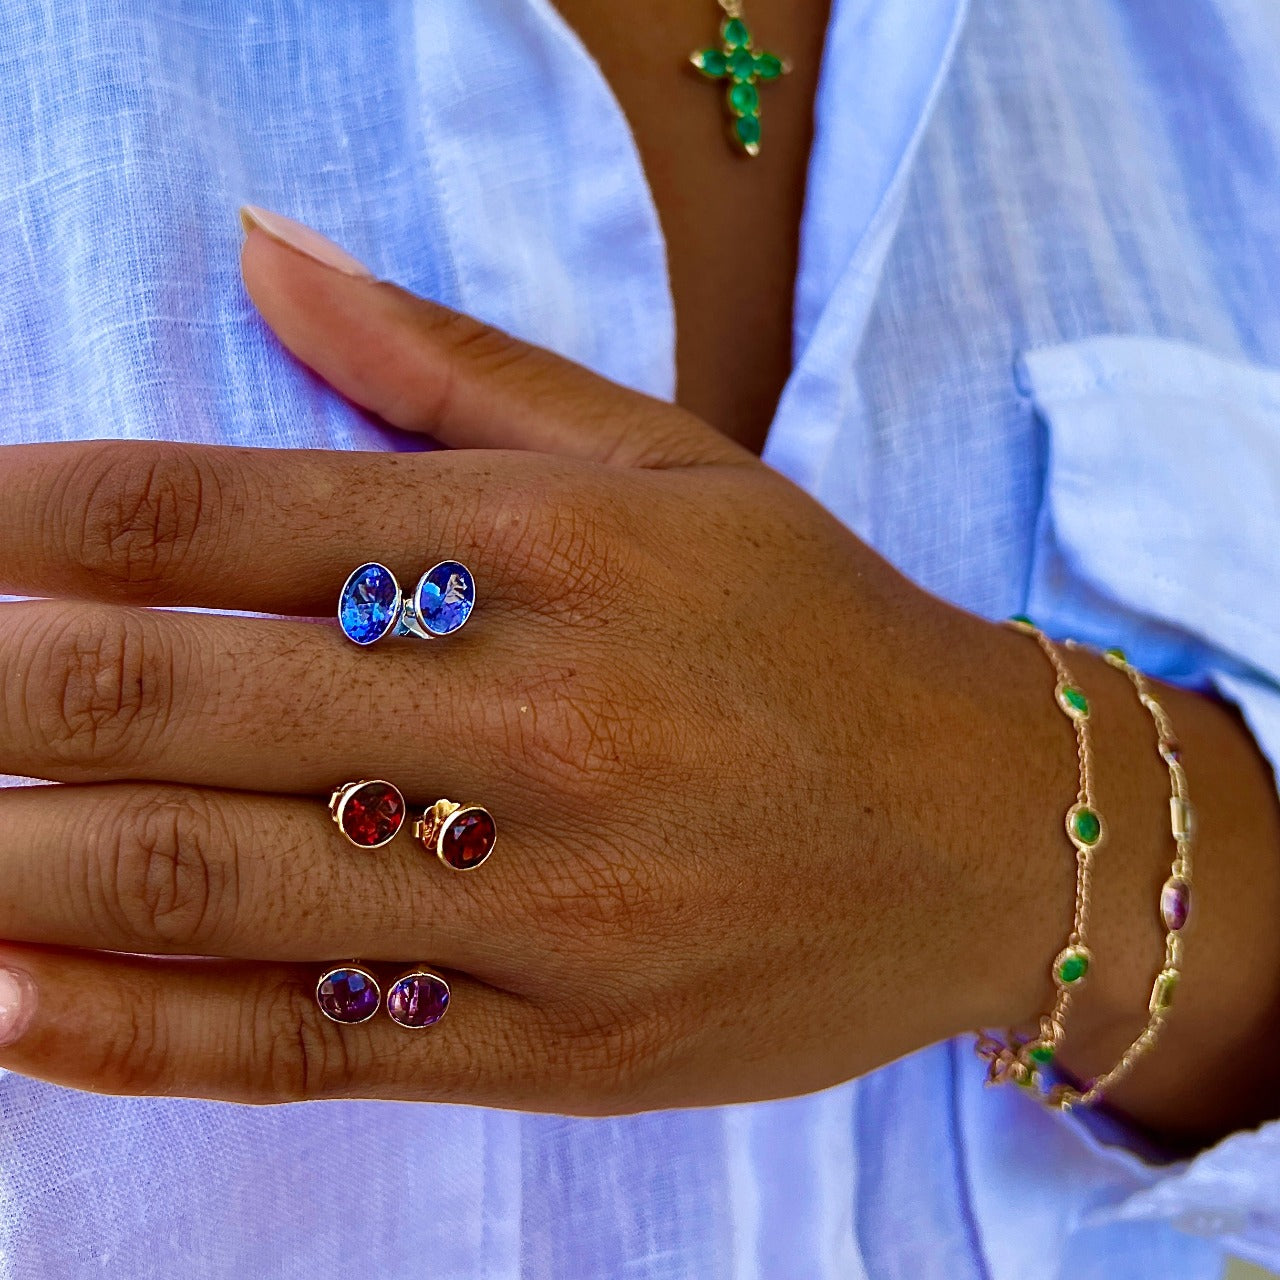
(745, 69)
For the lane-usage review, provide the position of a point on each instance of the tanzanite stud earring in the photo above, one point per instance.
(462, 836)
(417, 999)
(348, 993)
(441, 602)
(372, 605)
(369, 813)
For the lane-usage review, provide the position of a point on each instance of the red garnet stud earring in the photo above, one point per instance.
(462, 836)
(369, 813)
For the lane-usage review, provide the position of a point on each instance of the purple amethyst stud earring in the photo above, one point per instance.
(348, 994)
(417, 999)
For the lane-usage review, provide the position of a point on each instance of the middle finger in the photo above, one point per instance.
(96, 693)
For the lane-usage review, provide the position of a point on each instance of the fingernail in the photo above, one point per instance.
(17, 1004)
(303, 239)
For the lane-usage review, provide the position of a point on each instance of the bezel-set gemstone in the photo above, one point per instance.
(1073, 701)
(348, 995)
(1071, 966)
(418, 1000)
(1182, 818)
(370, 603)
(371, 814)
(467, 838)
(1084, 826)
(1162, 993)
(444, 598)
(1175, 903)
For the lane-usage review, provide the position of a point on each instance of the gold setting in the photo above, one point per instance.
(431, 828)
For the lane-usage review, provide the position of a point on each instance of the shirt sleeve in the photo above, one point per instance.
(1160, 531)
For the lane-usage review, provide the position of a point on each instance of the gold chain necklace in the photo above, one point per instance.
(745, 68)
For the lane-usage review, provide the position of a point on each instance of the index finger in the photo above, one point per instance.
(258, 530)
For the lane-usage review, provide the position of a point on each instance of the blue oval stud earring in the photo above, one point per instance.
(371, 604)
(441, 602)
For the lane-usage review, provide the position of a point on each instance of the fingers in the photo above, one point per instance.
(427, 369)
(91, 693)
(272, 530)
(171, 870)
(253, 1033)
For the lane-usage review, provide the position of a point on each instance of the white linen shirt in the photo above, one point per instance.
(1037, 364)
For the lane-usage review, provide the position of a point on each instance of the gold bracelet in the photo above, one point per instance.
(1175, 894)
(1019, 1059)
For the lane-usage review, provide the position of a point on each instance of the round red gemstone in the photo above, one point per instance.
(468, 840)
(373, 814)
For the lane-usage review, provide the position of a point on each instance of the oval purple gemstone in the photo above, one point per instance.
(1175, 903)
(445, 597)
(418, 1000)
(348, 995)
(369, 606)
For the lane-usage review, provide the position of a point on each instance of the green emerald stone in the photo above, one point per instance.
(1022, 620)
(712, 62)
(1075, 700)
(744, 99)
(1073, 968)
(742, 64)
(1087, 826)
(1117, 653)
(768, 66)
(1041, 1053)
(748, 130)
(735, 33)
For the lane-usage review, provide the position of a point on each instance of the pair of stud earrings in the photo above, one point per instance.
(349, 994)
(370, 814)
(372, 604)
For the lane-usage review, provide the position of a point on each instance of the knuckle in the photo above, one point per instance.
(135, 1058)
(571, 551)
(132, 514)
(481, 347)
(293, 1053)
(166, 868)
(106, 688)
(570, 741)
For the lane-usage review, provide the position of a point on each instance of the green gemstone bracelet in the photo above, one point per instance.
(1018, 1059)
(1022, 1060)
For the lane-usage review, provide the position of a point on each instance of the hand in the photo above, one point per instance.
(727, 746)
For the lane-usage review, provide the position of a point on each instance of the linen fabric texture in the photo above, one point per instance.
(1036, 349)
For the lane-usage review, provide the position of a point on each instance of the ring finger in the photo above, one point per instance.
(168, 870)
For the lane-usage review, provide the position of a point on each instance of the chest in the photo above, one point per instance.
(731, 221)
